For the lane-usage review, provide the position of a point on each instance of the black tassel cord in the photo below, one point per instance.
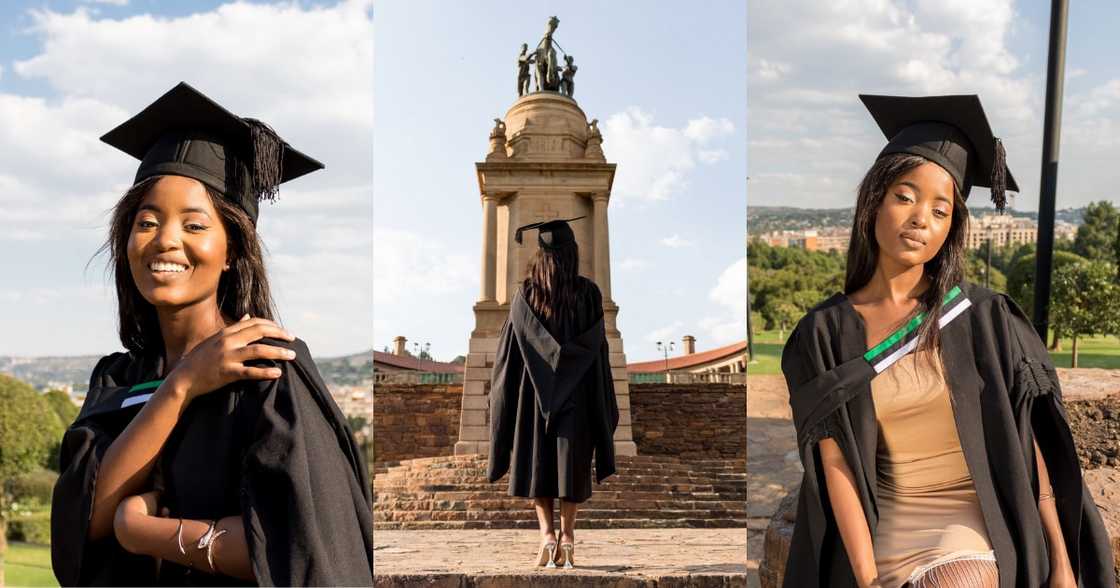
(266, 161)
(999, 177)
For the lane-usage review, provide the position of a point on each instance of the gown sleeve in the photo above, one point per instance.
(819, 393)
(305, 494)
(1036, 399)
(76, 559)
(505, 387)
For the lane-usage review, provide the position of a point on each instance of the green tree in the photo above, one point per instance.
(67, 411)
(1086, 301)
(1096, 237)
(1020, 279)
(976, 266)
(782, 315)
(28, 430)
(65, 408)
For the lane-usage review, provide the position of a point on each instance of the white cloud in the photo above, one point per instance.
(632, 264)
(58, 180)
(806, 121)
(676, 242)
(655, 162)
(406, 264)
(712, 155)
(109, 2)
(704, 129)
(317, 93)
(666, 334)
(771, 70)
(729, 292)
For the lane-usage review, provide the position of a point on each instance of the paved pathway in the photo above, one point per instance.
(604, 557)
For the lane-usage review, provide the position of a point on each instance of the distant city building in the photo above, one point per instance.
(1004, 231)
(824, 239)
(354, 400)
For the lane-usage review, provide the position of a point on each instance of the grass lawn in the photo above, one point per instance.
(1092, 352)
(28, 564)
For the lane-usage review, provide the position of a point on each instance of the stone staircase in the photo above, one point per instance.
(647, 492)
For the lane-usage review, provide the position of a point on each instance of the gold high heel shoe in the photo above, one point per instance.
(567, 555)
(547, 555)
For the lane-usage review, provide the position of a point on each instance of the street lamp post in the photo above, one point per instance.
(665, 349)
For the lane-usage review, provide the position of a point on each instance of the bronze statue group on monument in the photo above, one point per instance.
(552, 434)
(551, 76)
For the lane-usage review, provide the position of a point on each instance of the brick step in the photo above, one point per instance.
(463, 476)
(663, 488)
(597, 498)
(496, 493)
(618, 458)
(520, 504)
(584, 515)
(621, 467)
(726, 523)
(451, 492)
(621, 462)
(678, 478)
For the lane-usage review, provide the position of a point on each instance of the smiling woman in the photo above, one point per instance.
(211, 452)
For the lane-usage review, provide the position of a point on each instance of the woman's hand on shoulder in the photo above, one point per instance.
(221, 359)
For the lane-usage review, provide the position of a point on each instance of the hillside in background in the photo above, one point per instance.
(46, 372)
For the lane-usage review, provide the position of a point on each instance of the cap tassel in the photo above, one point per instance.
(999, 177)
(267, 160)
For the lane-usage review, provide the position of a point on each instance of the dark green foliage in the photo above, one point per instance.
(32, 528)
(1085, 302)
(1020, 279)
(65, 408)
(1097, 236)
(29, 428)
(35, 487)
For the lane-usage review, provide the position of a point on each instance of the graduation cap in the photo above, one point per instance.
(184, 133)
(950, 131)
(552, 234)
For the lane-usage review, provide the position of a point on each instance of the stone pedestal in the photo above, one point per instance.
(548, 172)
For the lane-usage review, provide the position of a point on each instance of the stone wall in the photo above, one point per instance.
(694, 421)
(415, 420)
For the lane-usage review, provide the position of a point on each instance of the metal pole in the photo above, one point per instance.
(1048, 187)
(750, 330)
(988, 271)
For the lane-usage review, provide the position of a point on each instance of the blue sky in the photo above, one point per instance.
(811, 140)
(69, 71)
(445, 70)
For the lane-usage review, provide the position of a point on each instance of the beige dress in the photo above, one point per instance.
(928, 509)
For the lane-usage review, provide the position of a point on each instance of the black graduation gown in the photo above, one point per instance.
(1005, 394)
(277, 452)
(552, 402)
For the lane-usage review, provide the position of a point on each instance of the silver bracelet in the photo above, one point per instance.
(207, 542)
(182, 549)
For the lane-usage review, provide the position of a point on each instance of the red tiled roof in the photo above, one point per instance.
(683, 362)
(409, 362)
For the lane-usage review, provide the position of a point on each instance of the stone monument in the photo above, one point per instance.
(545, 162)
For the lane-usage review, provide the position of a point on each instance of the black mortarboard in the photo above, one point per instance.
(950, 131)
(184, 133)
(551, 234)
